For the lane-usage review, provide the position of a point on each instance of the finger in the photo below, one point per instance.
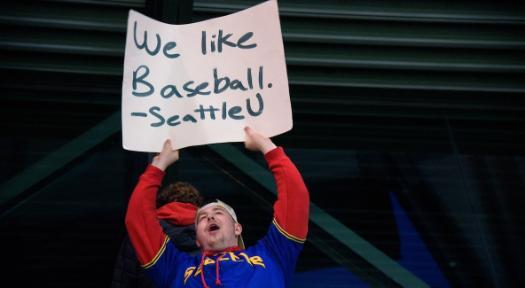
(249, 131)
(167, 144)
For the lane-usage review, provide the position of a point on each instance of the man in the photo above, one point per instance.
(223, 261)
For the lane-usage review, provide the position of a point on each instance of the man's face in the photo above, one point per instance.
(216, 229)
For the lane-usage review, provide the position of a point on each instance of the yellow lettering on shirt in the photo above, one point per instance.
(254, 260)
(198, 271)
(234, 257)
(257, 260)
(188, 272)
(246, 257)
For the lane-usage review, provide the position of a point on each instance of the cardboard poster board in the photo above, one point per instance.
(203, 82)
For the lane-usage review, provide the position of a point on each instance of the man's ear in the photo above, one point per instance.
(197, 243)
(238, 229)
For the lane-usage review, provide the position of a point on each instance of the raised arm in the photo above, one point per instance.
(143, 227)
(291, 210)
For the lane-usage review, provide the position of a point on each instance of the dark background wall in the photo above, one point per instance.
(419, 102)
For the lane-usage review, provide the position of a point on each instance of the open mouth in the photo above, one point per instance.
(213, 227)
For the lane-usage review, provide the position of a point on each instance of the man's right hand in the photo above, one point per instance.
(166, 157)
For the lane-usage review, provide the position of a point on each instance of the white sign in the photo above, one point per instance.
(203, 82)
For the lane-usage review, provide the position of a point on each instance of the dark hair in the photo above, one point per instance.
(179, 192)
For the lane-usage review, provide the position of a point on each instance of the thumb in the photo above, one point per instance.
(167, 145)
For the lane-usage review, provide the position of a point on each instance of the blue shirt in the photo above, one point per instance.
(269, 263)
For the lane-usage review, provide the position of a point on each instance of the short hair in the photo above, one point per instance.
(179, 192)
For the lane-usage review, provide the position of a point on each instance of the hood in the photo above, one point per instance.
(178, 213)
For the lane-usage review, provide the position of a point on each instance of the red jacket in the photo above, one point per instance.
(278, 251)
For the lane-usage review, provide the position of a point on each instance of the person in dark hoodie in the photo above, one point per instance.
(180, 229)
(223, 260)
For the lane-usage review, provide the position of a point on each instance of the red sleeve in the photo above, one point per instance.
(291, 210)
(144, 229)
